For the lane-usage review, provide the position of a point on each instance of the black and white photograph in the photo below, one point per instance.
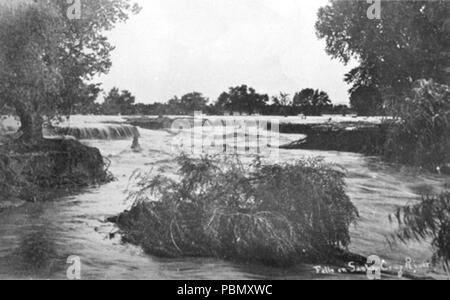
(217, 141)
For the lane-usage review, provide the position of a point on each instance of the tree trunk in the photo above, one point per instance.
(31, 123)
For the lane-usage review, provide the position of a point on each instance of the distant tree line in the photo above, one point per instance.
(241, 99)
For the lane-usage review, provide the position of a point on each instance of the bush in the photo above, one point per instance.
(421, 134)
(428, 219)
(277, 214)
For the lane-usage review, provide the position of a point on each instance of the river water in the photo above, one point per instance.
(36, 239)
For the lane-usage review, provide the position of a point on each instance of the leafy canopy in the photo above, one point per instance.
(47, 61)
(410, 42)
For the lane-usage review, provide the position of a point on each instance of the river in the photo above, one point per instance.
(36, 239)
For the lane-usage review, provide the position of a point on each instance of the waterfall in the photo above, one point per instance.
(95, 132)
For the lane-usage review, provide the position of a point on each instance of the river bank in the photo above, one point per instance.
(34, 172)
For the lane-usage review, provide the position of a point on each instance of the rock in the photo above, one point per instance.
(444, 170)
(136, 147)
(113, 219)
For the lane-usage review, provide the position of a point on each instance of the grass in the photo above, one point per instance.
(272, 214)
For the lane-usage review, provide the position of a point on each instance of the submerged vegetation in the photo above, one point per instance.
(273, 214)
(429, 219)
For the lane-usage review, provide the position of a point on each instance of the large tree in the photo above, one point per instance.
(117, 102)
(242, 99)
(312, 102)
(411, 41)
(48, 61)
(193, 102)
(303, 98)
(282, 103)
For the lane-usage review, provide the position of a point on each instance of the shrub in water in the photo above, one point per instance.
(421, 134)
(428, 219)
(274, 214)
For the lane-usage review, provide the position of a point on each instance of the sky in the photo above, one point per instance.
(174, 47)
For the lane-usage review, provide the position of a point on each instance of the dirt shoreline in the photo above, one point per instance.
(32, 173)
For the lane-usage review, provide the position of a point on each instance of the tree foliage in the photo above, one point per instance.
(47, 60)
(188, 104)
(312, 102)
(282, 102)
(367, 101)
(193, 102)
(117, 102)
(429, 219)
(421, 133)
(242, 99)
(410, 42)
